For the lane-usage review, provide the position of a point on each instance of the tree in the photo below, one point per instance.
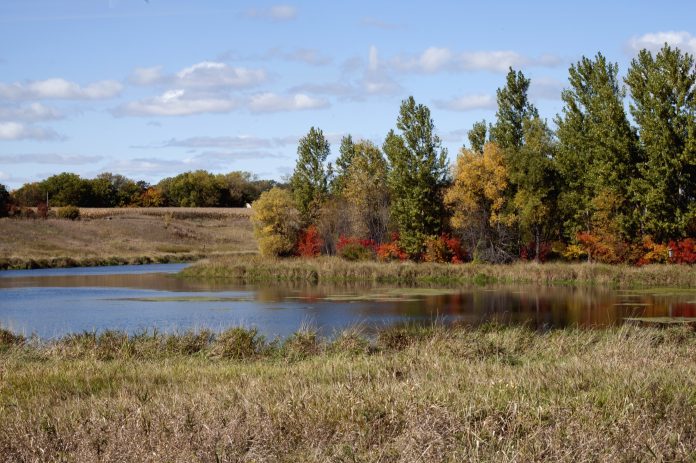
(192, 189)
(4, 201)
(417, 176)
(535, 177)
(513, 108)
(365, 191)
(663, 88)
(276, 222)
(67, 189)
(597, 153)
(477, 136)
(343, 163)
(477, 202)
(309, 181)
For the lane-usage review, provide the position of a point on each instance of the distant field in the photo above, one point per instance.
(125, 235)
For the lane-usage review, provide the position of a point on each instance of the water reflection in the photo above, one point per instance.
(54, 305)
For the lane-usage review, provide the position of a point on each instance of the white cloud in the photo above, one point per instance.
(176, 103)
(18, 131)
(436, 59)
(274, 13)
(203, 75)
(211, 74)
(60, 89)
(49, 158)
(272, 102)
(29, 113)
(146, 76)
(655, 40)
(467, 102)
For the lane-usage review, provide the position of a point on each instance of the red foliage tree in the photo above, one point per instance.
(310, 243)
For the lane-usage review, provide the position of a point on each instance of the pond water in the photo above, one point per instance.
(51, 303)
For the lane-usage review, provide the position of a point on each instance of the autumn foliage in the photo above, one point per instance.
(310, 242)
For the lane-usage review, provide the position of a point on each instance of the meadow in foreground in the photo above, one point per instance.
(410, 394)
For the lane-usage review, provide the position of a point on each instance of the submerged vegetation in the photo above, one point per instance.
(409, 394)
(253, 268)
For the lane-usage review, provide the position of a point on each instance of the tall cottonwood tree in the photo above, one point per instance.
(477, 136)
(343, 162)
(417, 175)
(310, 180)
(597, 154)
(663, 88)
(514, 108)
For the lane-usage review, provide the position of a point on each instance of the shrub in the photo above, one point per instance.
(42, 210)
(443, 248)
(574, 252)
(302, 344)
(9, 339)
(608, 249)
(69, 212)
(351, 248)
(391, 250)
(237, 343)
(654, 253)
(528, 252)
(683, 251)
(310, 243)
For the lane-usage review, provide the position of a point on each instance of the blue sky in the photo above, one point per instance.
(154, 88)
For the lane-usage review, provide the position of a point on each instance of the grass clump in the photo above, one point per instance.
(237, 343)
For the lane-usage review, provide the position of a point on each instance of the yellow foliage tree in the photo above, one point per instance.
(276, 222)
(476, 200)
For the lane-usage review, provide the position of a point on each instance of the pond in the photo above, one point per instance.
(54, 302)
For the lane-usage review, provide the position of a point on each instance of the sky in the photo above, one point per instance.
(153, 88)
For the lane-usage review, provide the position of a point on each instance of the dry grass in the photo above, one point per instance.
(117, 236)
(493, 394)
(333, 269)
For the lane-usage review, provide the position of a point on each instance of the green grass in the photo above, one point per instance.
(254, 269)
(412, 394)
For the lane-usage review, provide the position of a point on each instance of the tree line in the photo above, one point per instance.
(190, 189)
(600, 186)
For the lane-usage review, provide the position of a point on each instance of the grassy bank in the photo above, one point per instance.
(414, 395)
(125, 236)
(331, 269)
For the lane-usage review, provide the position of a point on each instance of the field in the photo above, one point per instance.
(437, 395)
(127, 235)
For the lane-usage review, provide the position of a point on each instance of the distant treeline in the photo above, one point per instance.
(190, 189)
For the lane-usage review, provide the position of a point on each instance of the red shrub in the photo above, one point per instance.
(310, 243)
(683, 251)
(528, 252)
(443, 248)
(352, 248)
(391, 250)
(609, 250)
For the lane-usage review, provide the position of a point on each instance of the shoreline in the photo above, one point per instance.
(256, 269)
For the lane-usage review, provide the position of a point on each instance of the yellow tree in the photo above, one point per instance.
(276, 222)
(477, 200)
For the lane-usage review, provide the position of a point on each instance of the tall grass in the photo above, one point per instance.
(254, 268)
(415, 394)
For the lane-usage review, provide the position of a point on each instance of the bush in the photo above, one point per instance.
(392, 250)
(683, 252)
(310, 243)
(443, 248)
(351, 248)
(42, 210)
(574, 252)
(654, 253)
(69, 212)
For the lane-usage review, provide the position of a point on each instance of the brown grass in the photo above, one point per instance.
(493, 394)
(114, 236)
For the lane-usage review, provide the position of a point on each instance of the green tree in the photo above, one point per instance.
(343, 163)
(309, 181)
(4, 200)
(417, 176)
(192, 189)
(366, 192)
(663, 88)
(536, 179)
(597, 153)
(477, 136)
(67, 189)
(276, 222)
(513, 108)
